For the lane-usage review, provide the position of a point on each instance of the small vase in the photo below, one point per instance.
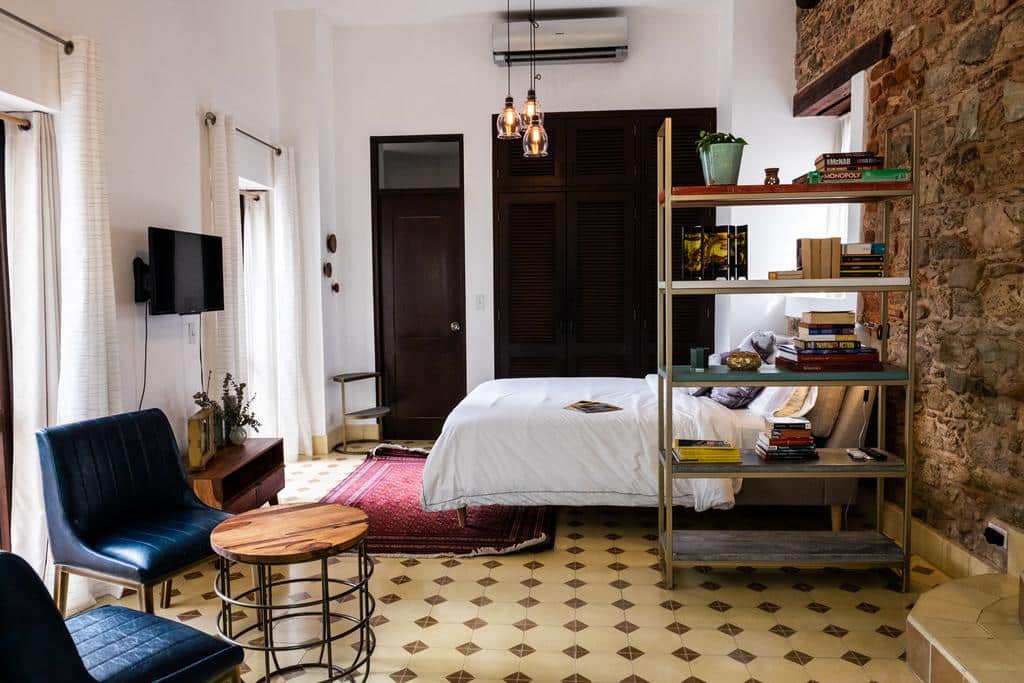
(238, 436)
(771, 176)
(721, 163)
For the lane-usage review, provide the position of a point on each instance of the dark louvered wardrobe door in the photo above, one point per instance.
(531, 263)
(601, 151)
(692, 317)
(600, 244)
(514, 171)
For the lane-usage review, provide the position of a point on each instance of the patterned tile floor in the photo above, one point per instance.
(590, 609)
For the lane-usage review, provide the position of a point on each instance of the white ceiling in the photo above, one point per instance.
(391, 12)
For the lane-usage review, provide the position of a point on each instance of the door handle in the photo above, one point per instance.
(455, 326)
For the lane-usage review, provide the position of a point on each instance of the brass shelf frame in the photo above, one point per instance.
(669, 469)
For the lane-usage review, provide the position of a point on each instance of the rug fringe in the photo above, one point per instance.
(543, 538)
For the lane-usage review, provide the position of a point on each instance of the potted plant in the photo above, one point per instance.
(720, 155)
(237, 411)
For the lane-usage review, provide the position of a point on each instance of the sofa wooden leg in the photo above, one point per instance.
(165, 594)
(146, 598)
(837, 517)
(461, 512)
(60, 589)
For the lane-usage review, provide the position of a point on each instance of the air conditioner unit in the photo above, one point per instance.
(559, 41)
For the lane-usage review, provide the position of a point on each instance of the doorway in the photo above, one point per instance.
(419, 280)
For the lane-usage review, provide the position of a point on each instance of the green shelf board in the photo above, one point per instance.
(721, 375)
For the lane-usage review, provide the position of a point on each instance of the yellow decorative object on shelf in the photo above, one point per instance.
(743, 360)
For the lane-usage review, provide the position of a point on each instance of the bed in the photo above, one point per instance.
(512, 442)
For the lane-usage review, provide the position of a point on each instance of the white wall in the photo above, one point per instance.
(758, 106)
(441, 78)
(166, 63)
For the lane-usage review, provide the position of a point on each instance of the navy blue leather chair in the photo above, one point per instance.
(118, 504)
(107, 644)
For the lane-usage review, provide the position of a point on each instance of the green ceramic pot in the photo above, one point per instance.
(721, 163)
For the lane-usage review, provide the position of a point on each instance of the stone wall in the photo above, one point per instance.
(962, 64)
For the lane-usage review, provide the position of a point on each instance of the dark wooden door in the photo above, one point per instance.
(575, 246)
(600, 151)
(421, 348)
(530, 250)
(600, 246)
(512, 170)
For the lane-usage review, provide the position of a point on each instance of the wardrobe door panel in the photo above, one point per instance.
(601, 238)
(601, 151)
(513, 171)
(531, 273)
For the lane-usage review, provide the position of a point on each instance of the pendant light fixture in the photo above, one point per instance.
(509, 123)
(535, 138)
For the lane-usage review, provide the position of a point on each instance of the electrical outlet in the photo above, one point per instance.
(190, 332)
(996, 535)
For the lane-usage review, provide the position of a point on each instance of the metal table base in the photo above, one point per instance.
(260, 599)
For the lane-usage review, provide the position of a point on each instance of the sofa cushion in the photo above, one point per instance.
(161, 544)
(119, 645)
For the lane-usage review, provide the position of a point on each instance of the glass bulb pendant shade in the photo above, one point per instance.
(531, 108)
(535, 139)
(509, 124)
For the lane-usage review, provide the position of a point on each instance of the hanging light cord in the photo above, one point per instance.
(508, 44)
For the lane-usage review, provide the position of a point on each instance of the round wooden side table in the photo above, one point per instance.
(292, 534)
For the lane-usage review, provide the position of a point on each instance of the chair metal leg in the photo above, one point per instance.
(165, 594)
(60, 589)
(146, 598)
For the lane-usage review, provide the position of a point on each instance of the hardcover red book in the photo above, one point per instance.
(816, 366)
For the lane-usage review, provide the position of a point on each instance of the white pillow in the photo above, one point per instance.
(772, 399)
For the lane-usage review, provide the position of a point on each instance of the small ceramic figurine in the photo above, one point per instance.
(771, 176)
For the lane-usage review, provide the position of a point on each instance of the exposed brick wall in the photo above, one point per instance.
(961, 63)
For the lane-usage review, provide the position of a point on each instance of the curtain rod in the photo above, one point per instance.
(21, 123)
(69, 47)
(211, 119)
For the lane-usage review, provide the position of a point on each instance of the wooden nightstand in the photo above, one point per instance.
(241, 478)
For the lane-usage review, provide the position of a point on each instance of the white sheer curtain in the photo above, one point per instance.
(33, 220)
(90, 383)
(286, 328)
(224, 333)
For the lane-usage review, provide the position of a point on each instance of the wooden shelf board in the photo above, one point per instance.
(785, 548)
(809, 286)
(380, 411)
(231, 457)
(354, 376)
(754, 195)
(768, 375)
(832, 463)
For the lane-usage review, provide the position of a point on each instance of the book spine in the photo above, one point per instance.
(881, 175)
(864, 248)
(780, 441)
(847, 157)
(824, 345)
(789, 434)
(814, 329)
(839, 319)
(862, 366)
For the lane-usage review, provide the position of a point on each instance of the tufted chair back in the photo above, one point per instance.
(35, 645)
(102, 473)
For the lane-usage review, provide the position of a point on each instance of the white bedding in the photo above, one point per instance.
(511, 442)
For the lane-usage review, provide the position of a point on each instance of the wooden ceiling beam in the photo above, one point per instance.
(829, 94)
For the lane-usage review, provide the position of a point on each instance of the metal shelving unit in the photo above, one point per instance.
(846, 549)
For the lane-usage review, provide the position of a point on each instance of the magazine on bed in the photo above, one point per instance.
(589, 407)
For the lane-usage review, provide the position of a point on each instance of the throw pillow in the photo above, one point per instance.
(735, 397)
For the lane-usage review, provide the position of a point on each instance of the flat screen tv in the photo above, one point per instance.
(186, 272)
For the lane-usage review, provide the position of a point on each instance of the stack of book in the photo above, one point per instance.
(826, 343)
(786, 438)
(700, 451)
(864, 259)
(852, 167)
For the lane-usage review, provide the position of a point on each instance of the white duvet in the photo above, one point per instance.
(512, 442)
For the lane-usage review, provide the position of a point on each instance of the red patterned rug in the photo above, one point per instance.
(388, 487)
